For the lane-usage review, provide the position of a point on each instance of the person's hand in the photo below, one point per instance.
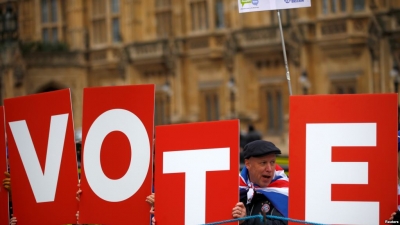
(13, 220)
(7, 181)
(151, 200)
(78, 198)
(239, 211)
(395, 216)
(153, 221)
(77, 217)
(392, 215)
(78, 193)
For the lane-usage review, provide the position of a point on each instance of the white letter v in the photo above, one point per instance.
(43, 184)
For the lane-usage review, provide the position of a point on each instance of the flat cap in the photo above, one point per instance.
(259, 148)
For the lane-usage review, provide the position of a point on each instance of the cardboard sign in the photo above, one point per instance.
(42, 158)
(263, 5)
(4, 215)
(116, 160)
(197, 169)
(343, 158)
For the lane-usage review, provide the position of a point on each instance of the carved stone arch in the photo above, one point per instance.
(50, 86)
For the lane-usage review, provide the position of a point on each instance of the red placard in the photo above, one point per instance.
(117, 138)
(343, 158)
(197, 169)
(42, 158)
(4, 215)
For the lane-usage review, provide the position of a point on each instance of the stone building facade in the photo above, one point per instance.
(208, 61)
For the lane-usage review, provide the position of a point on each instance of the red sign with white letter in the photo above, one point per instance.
(343, 158)
(117, 138)
(4, 215)
(42, 157)
(197, 169)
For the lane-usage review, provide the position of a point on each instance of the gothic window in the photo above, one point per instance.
(275, 111)
(272, 104)
(343, 87)
(333, 6)
(199, 15)
(358, 5)
(115, 21)
(116, 30)
(52, 25)
(163, 18)
(115, 6)
(343, 5)
(99, 21)
(210, 105)
(324, 7)
(219, 14)
(105, 19)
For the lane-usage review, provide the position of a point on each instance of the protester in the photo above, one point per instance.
(264, 185)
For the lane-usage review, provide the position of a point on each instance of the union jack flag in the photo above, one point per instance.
(277, 191)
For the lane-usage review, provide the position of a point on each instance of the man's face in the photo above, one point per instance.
(261, 169)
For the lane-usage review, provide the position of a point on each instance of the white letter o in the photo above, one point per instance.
(129, 124)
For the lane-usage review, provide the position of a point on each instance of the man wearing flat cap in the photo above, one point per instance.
(263, 186)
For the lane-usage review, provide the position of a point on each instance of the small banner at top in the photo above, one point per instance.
(263, 5)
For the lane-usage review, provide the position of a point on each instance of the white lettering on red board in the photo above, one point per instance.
(43, 184)
(195, 164)
(116, 190)
(321, 173)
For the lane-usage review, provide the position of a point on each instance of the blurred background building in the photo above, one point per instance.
(208, 61)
